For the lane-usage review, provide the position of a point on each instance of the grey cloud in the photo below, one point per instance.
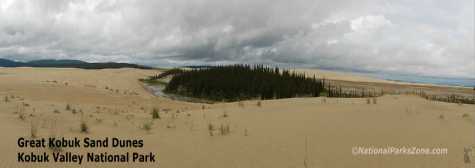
(432, 37)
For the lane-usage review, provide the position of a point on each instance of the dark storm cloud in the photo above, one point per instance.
(431, 37)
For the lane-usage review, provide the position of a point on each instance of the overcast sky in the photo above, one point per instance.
(431, 37)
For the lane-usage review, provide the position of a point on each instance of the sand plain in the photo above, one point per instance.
(297, 132)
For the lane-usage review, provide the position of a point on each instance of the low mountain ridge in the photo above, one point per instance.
(66, 63)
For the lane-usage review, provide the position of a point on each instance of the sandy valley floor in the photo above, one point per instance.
(287, 133)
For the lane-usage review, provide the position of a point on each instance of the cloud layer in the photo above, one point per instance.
(430, 37)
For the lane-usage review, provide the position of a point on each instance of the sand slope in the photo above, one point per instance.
(317, 132)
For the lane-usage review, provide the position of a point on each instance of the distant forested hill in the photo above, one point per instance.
(68, 64)
(10, 63)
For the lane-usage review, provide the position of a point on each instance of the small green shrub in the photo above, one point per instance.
(211, 129)
(224, 129)
(441, 117)
(147, 126)
(84, 127)
(21, 116)
(55, 148)
(465, 115)
(33, 130)
(155, 113)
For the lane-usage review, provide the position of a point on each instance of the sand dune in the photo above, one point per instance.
(298, 132)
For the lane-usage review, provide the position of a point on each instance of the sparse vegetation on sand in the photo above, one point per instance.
(211, 129)
(22, 116)
(155, 113)
(465, 115)
(460, 99)
(170, 125)
(55, 148)
(225, 114)
(99, 120)
(441, 117)
(33, 130)
(305, 159)
(84, 128)
(21, 112)
(259, 104)
(147, 126)
(25, 104)
(224, 129)
(466, 155)
(240, 82)
(335, 90)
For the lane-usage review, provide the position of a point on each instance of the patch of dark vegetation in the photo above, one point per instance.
(466, 156)
(68, 107)
(155, 79)
(147, 126)
(449, 98)
(33, 130)
(84, 128)
(240, 82)
(55, 148)
(166, 73)
(348, 92)
(198, 66)
(155, 113)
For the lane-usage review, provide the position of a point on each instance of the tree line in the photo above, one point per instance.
(240, 82)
